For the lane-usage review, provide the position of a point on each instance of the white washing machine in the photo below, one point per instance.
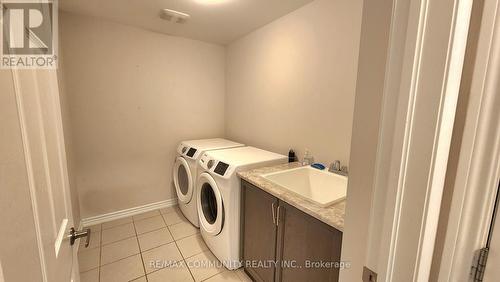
(185, 171)
(219, 190)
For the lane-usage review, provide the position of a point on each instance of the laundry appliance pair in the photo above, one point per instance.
(209, 189)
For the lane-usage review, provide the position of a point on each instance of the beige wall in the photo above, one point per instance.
(129, 91)
(291, 83)
(68, 140)
(288, 84)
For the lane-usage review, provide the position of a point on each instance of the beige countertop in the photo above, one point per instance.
(333, 215)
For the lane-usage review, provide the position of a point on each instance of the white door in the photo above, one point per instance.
(36, 181)
(183, 180)
(210, 205)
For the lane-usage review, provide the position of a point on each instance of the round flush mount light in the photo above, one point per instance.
(211, 2)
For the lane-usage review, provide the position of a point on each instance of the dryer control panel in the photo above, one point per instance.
(216, 167)
(221, 168)
(189, 152)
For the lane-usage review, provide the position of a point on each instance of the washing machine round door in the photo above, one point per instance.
(210, 206)
(183, 181)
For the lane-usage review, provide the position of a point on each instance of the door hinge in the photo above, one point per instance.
(479, 265)
(369, 275)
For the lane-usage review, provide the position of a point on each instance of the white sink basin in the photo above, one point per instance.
(322, 187)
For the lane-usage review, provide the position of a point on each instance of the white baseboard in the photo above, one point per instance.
(98, 219)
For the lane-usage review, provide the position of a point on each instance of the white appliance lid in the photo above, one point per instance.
(211, 144)
(244, 156)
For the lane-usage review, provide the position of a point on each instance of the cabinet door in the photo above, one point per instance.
(259, 232)
(304, 238)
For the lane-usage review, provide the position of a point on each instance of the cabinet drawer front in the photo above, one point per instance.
(259, 232)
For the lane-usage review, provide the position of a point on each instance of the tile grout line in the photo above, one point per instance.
(120, 259)
(179, 250)
(160, 269)
(135, 231)
(131, 217)
(136, 235)
(117, 241)
(173, 241)
(114, 226)
(134, 220)
(161, 245)
(183, 258)
(214, 275)
(223, 268)
(203, 251)
(140, 252)
(150, 231)
(153, 229)
(189, 269)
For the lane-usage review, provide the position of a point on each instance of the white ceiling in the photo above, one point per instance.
(217, 21)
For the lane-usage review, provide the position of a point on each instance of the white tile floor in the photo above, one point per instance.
(154, 246)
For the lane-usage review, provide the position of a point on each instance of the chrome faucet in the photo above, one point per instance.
(335, 167)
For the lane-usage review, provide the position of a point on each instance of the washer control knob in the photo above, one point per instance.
(184, 149)
(210, 164)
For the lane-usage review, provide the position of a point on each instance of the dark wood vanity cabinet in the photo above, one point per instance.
(259, 232)
(282, 243)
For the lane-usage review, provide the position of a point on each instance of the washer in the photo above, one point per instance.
(185, 171)
(218, 198)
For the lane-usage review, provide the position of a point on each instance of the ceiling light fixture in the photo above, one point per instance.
(174, 16)
(211, 2)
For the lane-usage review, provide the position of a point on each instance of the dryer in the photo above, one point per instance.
(185, 171)
(218, 199)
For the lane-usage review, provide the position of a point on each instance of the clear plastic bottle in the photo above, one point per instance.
(308, 158)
